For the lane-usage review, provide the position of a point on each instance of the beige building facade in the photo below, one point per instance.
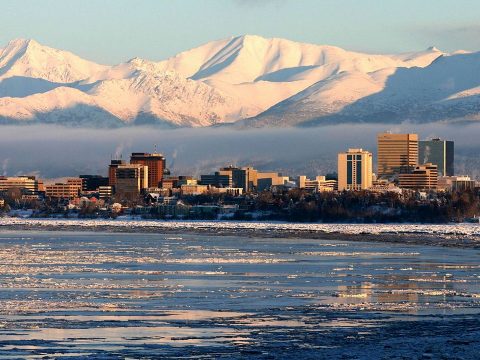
(355, 170)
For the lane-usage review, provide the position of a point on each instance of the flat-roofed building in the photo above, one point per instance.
(456, 183)
(75, 181)
(438, 152)
(172, 182)
(63, 190)
(220, 179)
(131, 179)
(28, 183)
(194, 189)
(105, 192)
(265, 180)
(226, 190)
(93, 182)
(155, 163)
(245, 178)
(319, 184)
(422, 178)
(355, 170)
(396, 154)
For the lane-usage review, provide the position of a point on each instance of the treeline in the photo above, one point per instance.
(368, 207)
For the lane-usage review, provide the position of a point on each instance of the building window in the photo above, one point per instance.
(349, 172)
(359, 172)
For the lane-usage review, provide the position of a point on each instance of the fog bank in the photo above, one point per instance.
(51, 152)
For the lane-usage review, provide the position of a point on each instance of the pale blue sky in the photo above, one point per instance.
(112, 31)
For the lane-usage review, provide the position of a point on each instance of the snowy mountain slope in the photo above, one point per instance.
(447, 89)
(267, 82)
(63, 105)
(249, 58)
(262, 72)
(165, 95)
(27, 58)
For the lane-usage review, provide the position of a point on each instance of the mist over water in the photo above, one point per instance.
(52, 152)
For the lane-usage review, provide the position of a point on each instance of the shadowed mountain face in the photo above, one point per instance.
(247, 80)
(446, 90)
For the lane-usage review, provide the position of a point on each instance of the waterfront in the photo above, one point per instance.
(117, 295)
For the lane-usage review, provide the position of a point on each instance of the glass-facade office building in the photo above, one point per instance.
(438, 152)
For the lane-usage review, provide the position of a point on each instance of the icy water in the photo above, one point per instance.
(108, 296)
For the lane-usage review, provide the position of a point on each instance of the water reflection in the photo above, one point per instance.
(132, 294)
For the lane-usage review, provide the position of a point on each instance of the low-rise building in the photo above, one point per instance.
(172, 182)
(62, 190)
(218, 179)
(194, 189)
(383, 185)
(265, 180)
(105, 192)
(456, 183)
(226, 190)
(422, 178)
(319, 184)
(28, 183)
(93, 182)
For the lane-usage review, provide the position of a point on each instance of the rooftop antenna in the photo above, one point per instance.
(154, 148)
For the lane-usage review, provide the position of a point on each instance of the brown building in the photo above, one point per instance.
(112, 171)
(396, 154)
(155, 163)
(131, 179)
(423, 177)
(63, 191)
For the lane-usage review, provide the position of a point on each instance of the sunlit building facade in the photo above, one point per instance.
(396, 154)
(155, 163)
(355, 170)
(422, 178)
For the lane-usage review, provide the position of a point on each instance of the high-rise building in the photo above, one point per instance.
(422, 177)
(354, 170)
(131, 179)
(396, 154)
(155, 163)
(438, 152)
(112, 171)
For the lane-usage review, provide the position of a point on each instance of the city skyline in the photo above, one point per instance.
(239, 179)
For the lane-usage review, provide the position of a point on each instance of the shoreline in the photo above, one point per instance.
(450, 236)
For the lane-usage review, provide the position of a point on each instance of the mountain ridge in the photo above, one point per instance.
(248, 81)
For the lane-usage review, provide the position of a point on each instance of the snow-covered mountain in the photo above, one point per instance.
(249, 80)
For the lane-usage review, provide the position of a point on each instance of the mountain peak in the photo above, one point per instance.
(21, 43)
(433, 49)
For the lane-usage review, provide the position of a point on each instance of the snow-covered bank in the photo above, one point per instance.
(462, 235)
